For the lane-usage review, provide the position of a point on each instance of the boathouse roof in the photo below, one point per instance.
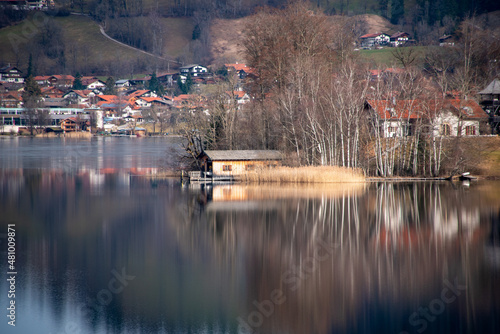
(215, 155)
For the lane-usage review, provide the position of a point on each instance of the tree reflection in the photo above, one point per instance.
(334, 258)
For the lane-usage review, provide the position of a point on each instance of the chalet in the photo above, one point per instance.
(11, 74)
(61, 80)
(370, 40)
(11, 100)
(93, 83)
(71, 124)
(52, 92)
(42, 80)
(142, 93)
(79, 96)
(190, 101)
(150, 101)
(399, 39)
(122, 83)
(236, 162)
(193, 69)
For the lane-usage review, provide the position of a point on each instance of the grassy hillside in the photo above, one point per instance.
(384, 57)
(85, 46)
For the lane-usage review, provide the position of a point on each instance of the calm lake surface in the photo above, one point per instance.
(101, 248)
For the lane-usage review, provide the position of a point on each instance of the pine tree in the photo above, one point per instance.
(31, 89)
(77, 84)
(110, 86)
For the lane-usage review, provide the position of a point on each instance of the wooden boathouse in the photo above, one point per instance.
(225, 164)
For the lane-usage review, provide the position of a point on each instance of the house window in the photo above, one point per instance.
(250, 167)
(445, 129)
(392, 129)
(227, 168)
(470, 130)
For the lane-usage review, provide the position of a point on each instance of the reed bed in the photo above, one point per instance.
(317, 174)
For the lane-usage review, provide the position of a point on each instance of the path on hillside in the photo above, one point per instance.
(126, 45)
(136, 49)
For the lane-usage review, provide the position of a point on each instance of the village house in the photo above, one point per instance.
(399, 39)
(448, 117)
(52, 92)
(11, 100)
(79, 97)
(123, 83)
(194, 69)
(42, 80)
(11, 74)
(375, 39)
(64, 81)
(92, 83)
(72, 124)
(241, 70)
(239, 96)
(237, 162)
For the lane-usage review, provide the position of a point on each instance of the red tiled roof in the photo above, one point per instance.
(468, 108)
(370, 35)
(138, 93)
(240, 67)
(406, 109)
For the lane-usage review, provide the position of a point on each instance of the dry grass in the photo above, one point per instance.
(322, 174)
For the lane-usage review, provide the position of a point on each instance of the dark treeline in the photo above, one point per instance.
(398, 11)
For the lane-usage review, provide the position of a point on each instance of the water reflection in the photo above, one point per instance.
(267, 259)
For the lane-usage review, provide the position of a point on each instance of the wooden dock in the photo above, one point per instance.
(207, 178)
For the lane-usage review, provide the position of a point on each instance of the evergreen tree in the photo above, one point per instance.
(155, 85)
(110, 86)
(186, 86)
(31, 90)
(77, 84)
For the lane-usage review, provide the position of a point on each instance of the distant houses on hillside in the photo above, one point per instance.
(397, 39)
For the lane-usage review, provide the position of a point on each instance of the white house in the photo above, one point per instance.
(193, 69)
(369, 40)
(11, 74)
(449, 117)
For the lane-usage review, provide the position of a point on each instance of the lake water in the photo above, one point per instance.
(101, 248)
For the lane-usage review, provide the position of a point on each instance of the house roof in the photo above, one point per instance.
(400, 34)
(41, 77)
(138, 93)
(7, 69)
(190, 66)
(243, 155)
(370, 35)
(468, 108)
(79, 92)
(63, 77)
(414, 109)
(493, 88)
(402, 109)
